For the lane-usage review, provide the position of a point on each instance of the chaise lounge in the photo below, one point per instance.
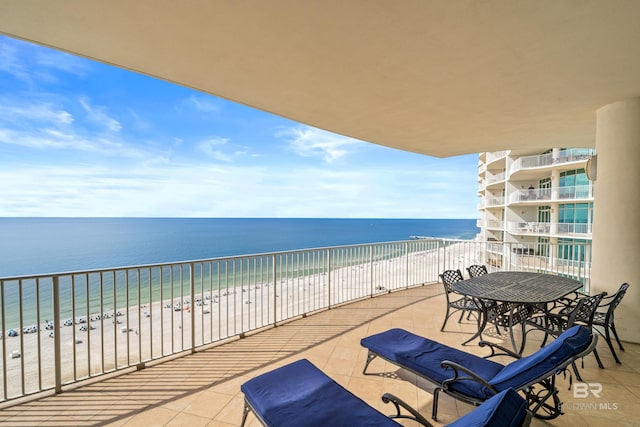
(300, 394)
(475, 379)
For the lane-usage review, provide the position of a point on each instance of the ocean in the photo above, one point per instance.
(30, 246)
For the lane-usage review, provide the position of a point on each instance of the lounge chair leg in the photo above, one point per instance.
(434, 410)
(245, 411)
(370, 357)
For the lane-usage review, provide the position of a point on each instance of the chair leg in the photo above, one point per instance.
(595, 353)
(615, 334)
(610, 344)
(446, 317)
(461, 316)
(544, 341)
(575, 371)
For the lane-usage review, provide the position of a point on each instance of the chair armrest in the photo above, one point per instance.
(606, 300)
(397, 402)
(470, 375)
(504, 351)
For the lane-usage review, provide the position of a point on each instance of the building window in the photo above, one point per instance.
(574, 250)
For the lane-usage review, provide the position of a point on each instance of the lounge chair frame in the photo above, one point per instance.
(537, 392)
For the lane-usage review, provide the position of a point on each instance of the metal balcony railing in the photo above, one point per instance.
(549, 228)
(494, 201)
(493, 178)
(560, 194)
(542, 160)
(495, 155)
(63, 328)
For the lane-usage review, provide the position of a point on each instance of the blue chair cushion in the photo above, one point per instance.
(522, 371)
(505, 409)
(425, 356)
(299, 394)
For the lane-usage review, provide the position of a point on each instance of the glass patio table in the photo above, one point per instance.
(507, 298)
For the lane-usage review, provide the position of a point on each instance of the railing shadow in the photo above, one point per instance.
(113, 401)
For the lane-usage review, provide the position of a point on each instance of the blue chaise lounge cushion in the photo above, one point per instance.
(425, 356)
(299, 394)
(522, 371)
(505, 409)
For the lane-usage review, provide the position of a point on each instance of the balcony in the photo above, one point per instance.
(551, 229)
(494, 224)
(202, 388)
(546, 195)
(548, 160)
(495, 178)
(495, 156)
(494, 201)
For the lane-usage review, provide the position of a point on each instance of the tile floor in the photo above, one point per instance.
(203, 389)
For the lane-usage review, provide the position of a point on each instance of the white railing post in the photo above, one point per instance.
(371, 270)
(57, 359)
(406, 251)
(275, 290)
(192, 311)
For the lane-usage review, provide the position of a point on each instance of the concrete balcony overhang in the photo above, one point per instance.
(438, 78)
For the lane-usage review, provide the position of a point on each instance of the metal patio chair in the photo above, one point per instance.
(560, 317)
(477, 270)
(463, 304)
(605, 319)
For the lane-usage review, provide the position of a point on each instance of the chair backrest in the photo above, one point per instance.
(506, 409)
(477, 270)
(585, 309)
(555, 356)
(449, 277)
(615, 301)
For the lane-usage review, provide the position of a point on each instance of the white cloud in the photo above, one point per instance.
(225, 190)
(220, 149)
(30, 63)
(98, 115)
(62, 61)
(307, 141)
(201, 104)
(40, 112)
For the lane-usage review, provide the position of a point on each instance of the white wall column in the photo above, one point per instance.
(616, 218)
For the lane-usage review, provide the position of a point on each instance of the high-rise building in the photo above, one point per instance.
(539, 204)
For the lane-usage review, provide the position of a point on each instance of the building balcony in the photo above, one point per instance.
(580, 230)
(196, 379)
(548, 161)
(495, 156)
(494, 201)
(204, 388)
(547, 195)
(495, 178)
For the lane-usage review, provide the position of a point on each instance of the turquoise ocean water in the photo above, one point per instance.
(49, 245)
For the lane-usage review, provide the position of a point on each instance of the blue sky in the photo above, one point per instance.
(83, 139)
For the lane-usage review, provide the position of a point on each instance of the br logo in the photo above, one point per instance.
(582, 390)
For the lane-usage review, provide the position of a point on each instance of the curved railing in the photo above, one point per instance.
(63, 328)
